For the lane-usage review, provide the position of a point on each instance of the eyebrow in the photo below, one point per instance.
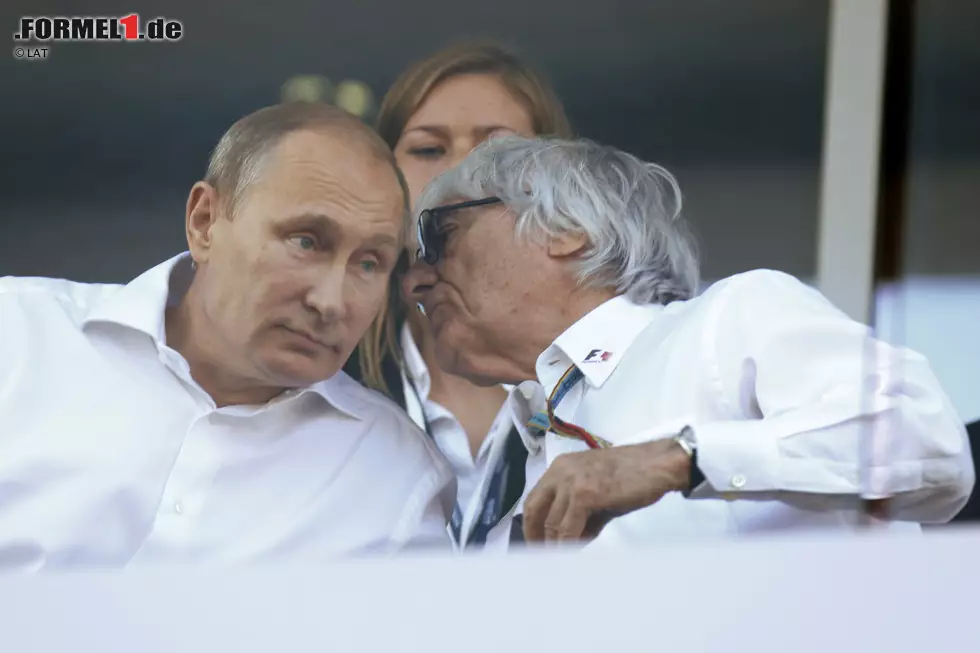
(429, 129)
(383, 240)
(438, 130)
(318, 221)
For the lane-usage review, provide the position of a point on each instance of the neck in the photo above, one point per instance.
(474, 407)
(548, 325)
(442, 383)
(189, 333)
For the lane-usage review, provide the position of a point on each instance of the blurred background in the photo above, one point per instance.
(103, 141)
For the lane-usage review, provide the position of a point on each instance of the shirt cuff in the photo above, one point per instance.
(737, 456)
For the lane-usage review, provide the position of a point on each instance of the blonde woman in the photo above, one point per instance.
(432, 117)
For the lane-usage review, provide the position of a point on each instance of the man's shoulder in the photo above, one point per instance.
(769, 297)
(368, 401)
(401, 440)
(43, 294)
(387, 417)
(45, 286)
(733, 304)
(751, 296)
(762, 283)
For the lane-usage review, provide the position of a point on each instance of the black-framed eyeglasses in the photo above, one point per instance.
(432, 239)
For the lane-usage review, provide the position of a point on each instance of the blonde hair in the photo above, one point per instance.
(400, 103)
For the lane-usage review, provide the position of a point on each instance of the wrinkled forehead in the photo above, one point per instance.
(324, 164)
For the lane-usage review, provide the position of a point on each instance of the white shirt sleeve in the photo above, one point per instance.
(836, 411)
(430, 533)
(425, 519)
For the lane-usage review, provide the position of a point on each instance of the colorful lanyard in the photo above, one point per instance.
(541, 423)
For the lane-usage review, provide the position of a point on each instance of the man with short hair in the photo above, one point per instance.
(755, 406)
(199, 414)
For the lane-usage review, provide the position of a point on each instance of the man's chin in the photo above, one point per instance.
(300, 372)
(458, 364)
(482, 381)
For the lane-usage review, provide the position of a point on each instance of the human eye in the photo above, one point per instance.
(371, 262)
(447, 226)
(304, 242)
(427, 151)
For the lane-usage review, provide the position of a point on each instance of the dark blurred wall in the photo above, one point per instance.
(942, 190)
(929, 297)
(104, 140)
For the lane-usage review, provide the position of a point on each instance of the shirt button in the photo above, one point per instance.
(178, 508)
(738, 481)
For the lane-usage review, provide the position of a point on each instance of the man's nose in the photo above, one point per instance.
(326, 295)
(418, 281)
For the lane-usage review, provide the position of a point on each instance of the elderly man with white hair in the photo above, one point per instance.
(755, 406)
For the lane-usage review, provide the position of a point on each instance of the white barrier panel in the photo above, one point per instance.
(860, 594)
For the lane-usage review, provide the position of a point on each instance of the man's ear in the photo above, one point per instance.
(202, 213)
(567, 244)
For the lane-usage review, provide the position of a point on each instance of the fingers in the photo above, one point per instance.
(536, 510)
(573, 522)
(556, 515)
(554, 512)
(580, 493)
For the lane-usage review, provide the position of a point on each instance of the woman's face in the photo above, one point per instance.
(459, 114)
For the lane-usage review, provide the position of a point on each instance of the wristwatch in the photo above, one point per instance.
(689, 444)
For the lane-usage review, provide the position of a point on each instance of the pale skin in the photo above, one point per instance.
(477, 297)
(459, 114)
(285, 288)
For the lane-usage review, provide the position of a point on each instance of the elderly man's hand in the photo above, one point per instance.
(582, 492)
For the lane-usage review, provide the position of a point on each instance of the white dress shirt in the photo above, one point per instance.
(472, 473)
(112, 455)
(796, 409)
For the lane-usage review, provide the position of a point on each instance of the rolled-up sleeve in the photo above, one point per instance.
(832, 409)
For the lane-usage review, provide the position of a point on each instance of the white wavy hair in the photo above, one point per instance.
(628, 209)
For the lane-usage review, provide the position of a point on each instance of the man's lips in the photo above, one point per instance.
(434, 299)
(308, 338)
(433, 313)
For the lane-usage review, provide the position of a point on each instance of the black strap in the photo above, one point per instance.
(505, 489)
(516, 452)
(517, 530)
(696, 477)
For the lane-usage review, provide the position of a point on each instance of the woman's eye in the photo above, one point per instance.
(433, 152)
(307, 243)
(369, 265)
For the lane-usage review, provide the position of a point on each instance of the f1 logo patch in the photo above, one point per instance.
(598, 356)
